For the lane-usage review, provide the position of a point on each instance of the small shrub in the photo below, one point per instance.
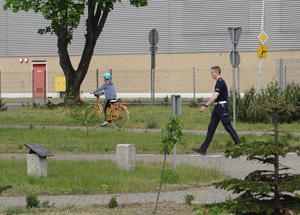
(171, 176)
(113, 202)
(193, 104)
(46, 204)
(35, 105)
(165, 101)
(25, 105)
(188, 199)
(2, 105)
(49, 105)
(32, 201)
(136, 102)
(200, 100)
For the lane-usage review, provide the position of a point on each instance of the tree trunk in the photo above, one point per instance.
(74, 78)
(276, 169)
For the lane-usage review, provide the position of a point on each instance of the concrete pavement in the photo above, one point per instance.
(237, 168)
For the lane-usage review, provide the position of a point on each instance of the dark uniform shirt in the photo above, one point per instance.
(221, 88)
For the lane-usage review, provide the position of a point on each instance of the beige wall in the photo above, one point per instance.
(131, 73)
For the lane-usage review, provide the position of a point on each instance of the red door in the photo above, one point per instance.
(39, 80)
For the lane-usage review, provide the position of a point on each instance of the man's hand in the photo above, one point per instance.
(202, 108)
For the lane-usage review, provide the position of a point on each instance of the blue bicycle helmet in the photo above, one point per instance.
(106, 75)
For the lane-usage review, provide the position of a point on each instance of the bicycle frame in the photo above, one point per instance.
(118, 112)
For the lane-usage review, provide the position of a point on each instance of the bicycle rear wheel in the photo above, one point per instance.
(92, 116)
(120, 116)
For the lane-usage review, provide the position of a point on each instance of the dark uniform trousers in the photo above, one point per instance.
(220, 112)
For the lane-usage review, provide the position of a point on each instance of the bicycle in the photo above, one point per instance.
(118, 113)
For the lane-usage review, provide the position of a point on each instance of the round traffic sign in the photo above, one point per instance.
(153, 37)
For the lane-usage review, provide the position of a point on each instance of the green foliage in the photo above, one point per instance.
(171, 135)
(113, 202)
(2, 105)
(136, 102)
(46, 204)
(50, 105)
(246, 107)
(165, 102)
(188, 199)
(265, 191)
(89, 117)
(171, 176)
(195, 104)
(32, 201)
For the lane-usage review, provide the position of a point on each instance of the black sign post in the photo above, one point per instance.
(153, 40)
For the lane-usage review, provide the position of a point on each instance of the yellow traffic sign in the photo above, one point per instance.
(263, 37)
(262, 51)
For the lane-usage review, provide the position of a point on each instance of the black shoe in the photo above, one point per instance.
(199, 151)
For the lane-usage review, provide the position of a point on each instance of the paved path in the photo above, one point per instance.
(237, 168)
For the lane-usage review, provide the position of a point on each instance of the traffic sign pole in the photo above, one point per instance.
(153, 40)
(234, 34)
(262, 37)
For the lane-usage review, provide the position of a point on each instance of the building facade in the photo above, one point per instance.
(193, 36)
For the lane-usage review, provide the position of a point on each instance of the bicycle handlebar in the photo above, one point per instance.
(98, 94)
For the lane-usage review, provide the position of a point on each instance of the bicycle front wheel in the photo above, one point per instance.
(119, 116)
(92, 116)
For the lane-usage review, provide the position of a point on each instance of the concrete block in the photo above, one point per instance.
(36, 165)
(126, 156)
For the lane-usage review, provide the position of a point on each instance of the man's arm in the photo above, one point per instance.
(210, 101)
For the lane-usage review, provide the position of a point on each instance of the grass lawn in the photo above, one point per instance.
(30, 125)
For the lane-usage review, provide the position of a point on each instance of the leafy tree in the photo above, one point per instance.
(65, 16)
(266, 191)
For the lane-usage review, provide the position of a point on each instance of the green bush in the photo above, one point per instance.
(171, 176)
(188, 199)
(32, 201)
(246, 106)
(113, 202)
(2, 105)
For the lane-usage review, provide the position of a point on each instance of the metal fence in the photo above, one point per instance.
(288, 72)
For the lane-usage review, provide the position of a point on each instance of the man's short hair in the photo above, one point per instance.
(217, 69)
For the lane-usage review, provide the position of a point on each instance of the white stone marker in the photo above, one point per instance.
(126, 156)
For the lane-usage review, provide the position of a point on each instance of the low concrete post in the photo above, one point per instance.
(37, 160)
(126, 156)
(37, 165)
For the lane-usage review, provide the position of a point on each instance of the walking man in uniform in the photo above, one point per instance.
(220, 112)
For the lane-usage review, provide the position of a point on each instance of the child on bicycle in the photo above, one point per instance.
(109, 91)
